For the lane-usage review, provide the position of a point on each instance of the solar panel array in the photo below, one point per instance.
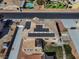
(39, 28)
(44, 34)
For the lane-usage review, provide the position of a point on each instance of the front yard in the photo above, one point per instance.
(33, 4)
(57, 5)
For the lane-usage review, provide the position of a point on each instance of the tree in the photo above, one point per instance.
(5, 3)
(40, 2)
(32, 0)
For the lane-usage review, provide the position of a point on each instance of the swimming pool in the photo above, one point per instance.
(29, 5)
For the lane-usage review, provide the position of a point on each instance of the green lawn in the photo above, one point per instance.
(57, 49)
(55, 5)
(68, 52)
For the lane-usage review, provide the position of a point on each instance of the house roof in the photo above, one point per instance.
(68, 23)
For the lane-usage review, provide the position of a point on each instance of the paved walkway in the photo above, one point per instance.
(43, 10)
(64, 53)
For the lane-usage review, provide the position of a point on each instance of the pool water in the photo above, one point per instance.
(29, 5)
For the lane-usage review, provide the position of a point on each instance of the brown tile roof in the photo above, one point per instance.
(61, 26)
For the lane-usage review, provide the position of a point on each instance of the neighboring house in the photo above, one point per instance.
(36, 36)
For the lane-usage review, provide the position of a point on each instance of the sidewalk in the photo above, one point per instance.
(42, 10)
(50, 10)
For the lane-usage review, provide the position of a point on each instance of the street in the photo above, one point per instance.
(20, 15)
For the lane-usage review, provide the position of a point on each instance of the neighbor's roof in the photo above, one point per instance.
(68, 23)
(74, 34)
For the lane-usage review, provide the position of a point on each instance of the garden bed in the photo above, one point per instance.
(56, 49)
(68, 52)
(57, 5)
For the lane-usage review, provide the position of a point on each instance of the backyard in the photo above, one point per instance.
(68, 52)
(57, 49)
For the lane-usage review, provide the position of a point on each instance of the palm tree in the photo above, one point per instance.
(5, 3)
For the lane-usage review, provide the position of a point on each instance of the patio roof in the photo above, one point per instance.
(16, 45)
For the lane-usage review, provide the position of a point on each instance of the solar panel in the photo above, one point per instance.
(39, 26)
(41, 34)
(41, 30)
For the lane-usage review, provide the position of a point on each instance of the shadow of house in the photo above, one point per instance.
(8, 23)
(50, 55)
(39, 42)
(5, 28)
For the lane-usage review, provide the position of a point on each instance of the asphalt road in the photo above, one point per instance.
(41, 15)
